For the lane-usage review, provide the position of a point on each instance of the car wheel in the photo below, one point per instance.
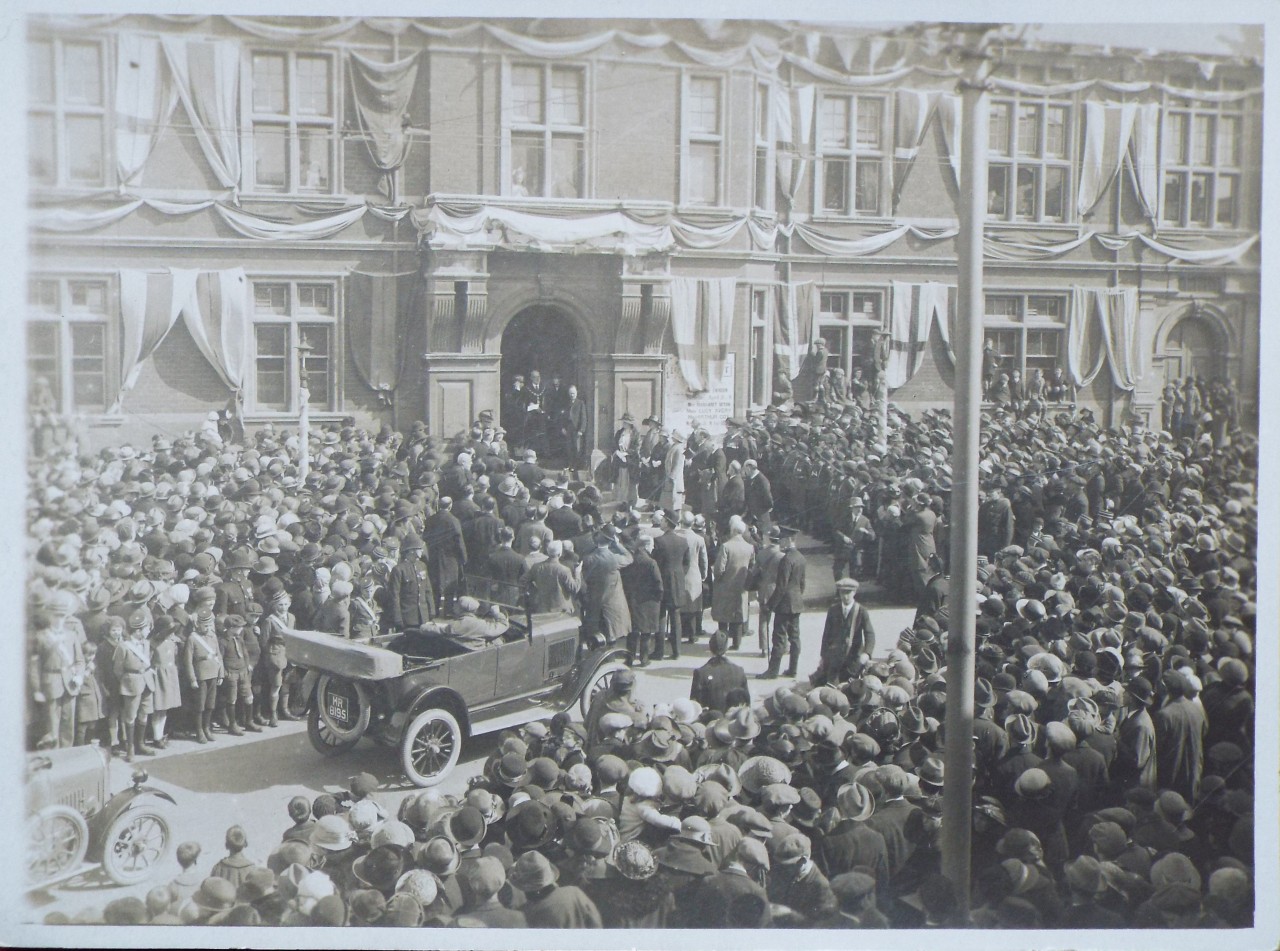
(136, 843)
(430, 747)
(325, 741)
(57, 839)
(344, 706)
(601, 681)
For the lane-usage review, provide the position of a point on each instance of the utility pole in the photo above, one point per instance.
(304, 414)
(957, 801)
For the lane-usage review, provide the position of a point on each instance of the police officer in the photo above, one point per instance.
(410, 597)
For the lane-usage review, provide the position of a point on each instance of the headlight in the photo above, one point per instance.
(139, 777)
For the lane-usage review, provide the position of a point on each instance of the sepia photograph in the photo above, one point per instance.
(671, 480)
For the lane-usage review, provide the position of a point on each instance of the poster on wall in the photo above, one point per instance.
(708, 409)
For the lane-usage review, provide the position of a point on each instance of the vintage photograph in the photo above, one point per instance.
(631, 475)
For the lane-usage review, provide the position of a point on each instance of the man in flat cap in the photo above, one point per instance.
(848, 637)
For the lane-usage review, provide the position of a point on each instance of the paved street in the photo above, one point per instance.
(248, 780)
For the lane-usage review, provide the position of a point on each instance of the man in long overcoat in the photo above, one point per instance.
(729, 605)
(604, 604)
(848, 637)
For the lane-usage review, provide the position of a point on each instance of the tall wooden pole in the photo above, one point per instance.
(957, 808)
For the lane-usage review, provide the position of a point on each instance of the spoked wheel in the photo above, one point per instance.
(430, 747)
(137, 842)
(322, 737)
(57, 838)
(601, 681)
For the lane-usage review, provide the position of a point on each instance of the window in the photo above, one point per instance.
(67, 341)
(764, 185)
(293, 123)
(851, 161)
(66, 120)
(546, 120)
(761, 375)
(294, 332)
(1029, 171)
(703, 137)
(846, 321)
(1027, 331)
(1201, 148)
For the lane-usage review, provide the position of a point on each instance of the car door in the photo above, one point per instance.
(474, 675)
(520, 669)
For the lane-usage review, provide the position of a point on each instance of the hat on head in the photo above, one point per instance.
(380, 868)
(533, 872)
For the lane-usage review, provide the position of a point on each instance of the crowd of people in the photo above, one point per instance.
(1114, 735)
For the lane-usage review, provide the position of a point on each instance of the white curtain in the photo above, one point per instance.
(793, 109)
(144, 102)
(1107, 128)
(1103, 327)
(150, 303)
(702, 311)
(267, 229)
(949, 111)
(217, 316)
(912, 312)
(1085, 351)
(207, 77)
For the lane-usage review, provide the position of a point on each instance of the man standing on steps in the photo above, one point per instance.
(786, 603)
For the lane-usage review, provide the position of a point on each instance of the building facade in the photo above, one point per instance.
(669, 214)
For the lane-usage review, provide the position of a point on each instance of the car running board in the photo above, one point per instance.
(525, 713)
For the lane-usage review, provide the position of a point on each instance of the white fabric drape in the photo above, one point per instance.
(1085, 351)
(144, 102)
(1103, 328)
(382, 92)
(702, 311)
(150, 303)
(217, 316)
(1143, 157)
(912, 312)
(795, 324)
(936, 303)
(207, 77)
(793, 108)
(252, 226)
(950, 108)
(1107, 128)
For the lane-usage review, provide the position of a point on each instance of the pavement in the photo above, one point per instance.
(248, 780)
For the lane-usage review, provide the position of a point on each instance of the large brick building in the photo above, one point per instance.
(421, 208)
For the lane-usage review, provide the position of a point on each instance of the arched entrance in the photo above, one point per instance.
(1193, 344)
(544, 339)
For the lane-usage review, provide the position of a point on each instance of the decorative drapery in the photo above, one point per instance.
(150, 302)
(795, 324)
(702, 311)
(217, 316)
(375, 305)
(207, 77)
(914, 108)
(1143, 157)
(1107, 130)
(912, 312)
(1103, 327)
(382, 92)
(793, 108)
(143, 104)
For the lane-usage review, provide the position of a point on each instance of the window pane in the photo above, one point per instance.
(314, 86)
(1055, 132)
(1055, 192)
(837, 341)
(566, 167)
(271, 298)
(272, 375)
(1202, 140)
(835, 185)
(41, 150)
(1043, 343)
(833, 306)
(315, 299)
(566, 96)
(87, 297)
(42, 359)
(835, 122)
(1028, 130)
(1172, 209)
(1044, 308)
(1175, 138)
(763, 183)
(269, 160)
(319, 364)
(1003, 306)
(313, 159)
(867, 306)
(1225, 199)
(762, 113)
(43, 296)
(1027, 185)
(998, 131)
(1200, 199)
(870, 113)
(40, 73)
(84, 148)
(998, 191)
(1006, 344)
(268, 84)
(82, 69)
(758, 366)
(704, 173)
(704, 105)
(867, 194)
(88, 366)
(526, 93)
(526, 165)
(1228, 140)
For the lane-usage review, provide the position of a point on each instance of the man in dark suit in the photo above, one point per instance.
(529, 472)
(715, 680)
(733, 497)
(563, 521)
(786, 603)
(411, 601)
(505, 568)
(673, 555)
(848, 638)
(446, 554)
(480, 534)
(758, 496)
(642, 585)
(574, 423)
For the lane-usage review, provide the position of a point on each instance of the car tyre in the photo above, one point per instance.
(57, 839)
(136, 843)
(323, 739)
(344, 733)
(430, 747)
(600, 680)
